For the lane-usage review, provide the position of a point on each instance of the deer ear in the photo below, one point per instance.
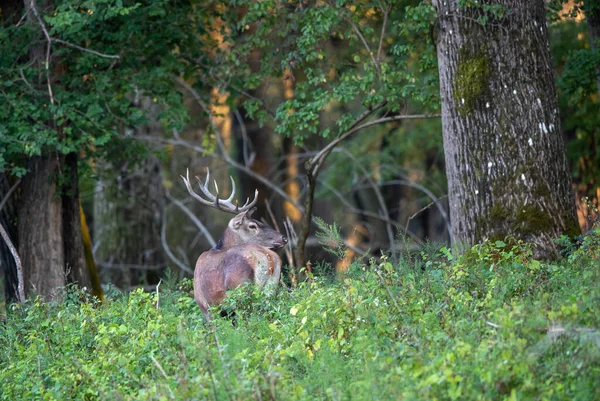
(238, 220)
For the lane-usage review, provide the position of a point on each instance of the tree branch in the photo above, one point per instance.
(362, 38)
(83, 49)
(316, 161)
(191, 215)
(11, 247)
(386, 12)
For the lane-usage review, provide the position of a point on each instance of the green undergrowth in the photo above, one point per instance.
(491, 324)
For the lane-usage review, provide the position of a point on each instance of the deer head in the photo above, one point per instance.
(242, 229)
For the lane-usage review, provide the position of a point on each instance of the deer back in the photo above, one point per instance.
(242, 255)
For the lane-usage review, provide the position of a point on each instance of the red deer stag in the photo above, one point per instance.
(242, 255)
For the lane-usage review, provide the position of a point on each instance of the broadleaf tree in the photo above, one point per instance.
(505, 158)
(69, 71)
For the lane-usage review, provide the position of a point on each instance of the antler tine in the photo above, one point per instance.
(232, 191)
(188, 185)
(217, 196)
(225, 205)
(248, 206)
(207, 180)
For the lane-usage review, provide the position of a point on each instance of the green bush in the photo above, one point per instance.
(491, 324)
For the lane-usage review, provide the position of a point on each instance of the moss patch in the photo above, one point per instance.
(530, 220)
(472, 79)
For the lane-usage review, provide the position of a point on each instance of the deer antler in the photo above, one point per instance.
(225, 205)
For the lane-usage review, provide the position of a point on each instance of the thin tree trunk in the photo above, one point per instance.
(90, 263)
(592, 14)
(505, 158)
(290, 150)
(40, 229)
(72, 236)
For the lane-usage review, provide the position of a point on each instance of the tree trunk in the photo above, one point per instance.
(75, 265)
(40, 229)
(128, 206)
(592, 15)
(505, 159)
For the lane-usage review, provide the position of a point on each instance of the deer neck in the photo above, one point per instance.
(228, 240)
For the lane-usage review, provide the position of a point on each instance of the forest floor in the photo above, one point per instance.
(491, 324)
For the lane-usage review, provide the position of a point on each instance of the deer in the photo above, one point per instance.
(245, 252)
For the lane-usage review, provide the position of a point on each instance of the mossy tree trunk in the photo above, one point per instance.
(505, 158)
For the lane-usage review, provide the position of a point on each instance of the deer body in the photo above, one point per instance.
(241, 256)
(244, 253)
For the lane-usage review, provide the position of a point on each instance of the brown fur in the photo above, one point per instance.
(242, 255)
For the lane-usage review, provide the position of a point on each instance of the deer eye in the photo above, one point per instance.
(252, 226)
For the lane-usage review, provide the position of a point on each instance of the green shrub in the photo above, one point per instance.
(491, 324)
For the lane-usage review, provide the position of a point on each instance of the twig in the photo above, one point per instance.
(163, 373)
(163, 240)
(494, 325)
(121, 266)
(158, 294)
(378, 195)
(362, 38)
(23, 18)
(383, 28)
(431, 195)
(292, 241)
(246, 144)
(33, 8)
(11, 247)
(83, 49)
(287, 249)
(352, 209)
(421, 210)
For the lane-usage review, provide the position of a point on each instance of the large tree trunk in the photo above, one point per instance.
(505, 159)
(40, 229)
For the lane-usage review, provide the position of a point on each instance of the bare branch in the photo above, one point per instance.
(316, 161)
(378, 195)
(362, 38)
(352, 209)
(11, 247)
(420, 211)
(122, 266)
(386, 12)
(430, 195)
(165, 245)
(83, 49)
(196, 221)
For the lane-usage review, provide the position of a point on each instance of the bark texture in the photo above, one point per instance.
(505, 158)
(40, 229)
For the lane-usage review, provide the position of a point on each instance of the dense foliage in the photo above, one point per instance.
(492, 324)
